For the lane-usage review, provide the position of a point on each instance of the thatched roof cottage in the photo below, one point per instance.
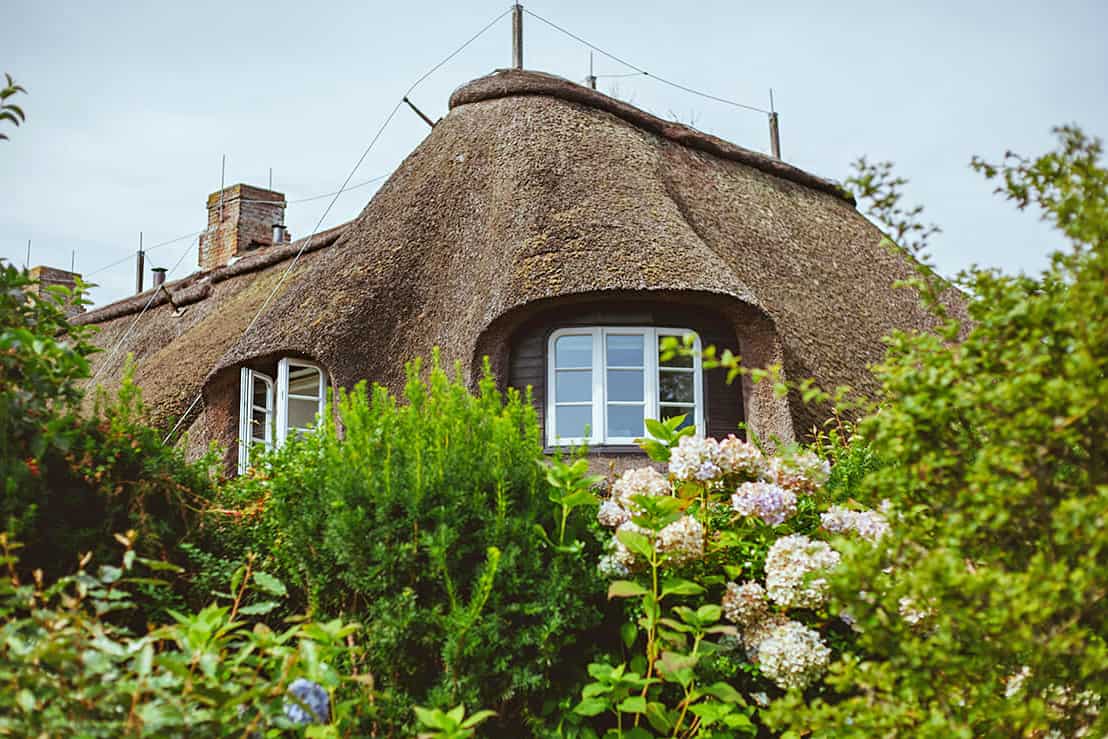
(556, 230)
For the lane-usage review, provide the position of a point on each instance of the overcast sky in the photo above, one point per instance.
(131, 104)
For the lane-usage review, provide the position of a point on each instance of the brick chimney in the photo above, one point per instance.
(44, 277)
(240, 219)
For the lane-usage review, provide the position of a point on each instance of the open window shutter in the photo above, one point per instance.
(253, 414)
(246, 402)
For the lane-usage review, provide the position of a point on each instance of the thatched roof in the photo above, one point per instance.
(532, 188)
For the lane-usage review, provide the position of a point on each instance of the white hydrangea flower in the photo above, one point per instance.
(803, 472)
(695, 459)
(792, 655)
(737, 457)
(682, 540)
(611, 567)
(870, 525)
(645, 481)
(745, 604)
(912, 613)
(611, 514)
(789, 562)
(771, 503)
(754, 634)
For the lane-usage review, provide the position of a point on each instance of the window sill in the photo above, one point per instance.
(599, 450)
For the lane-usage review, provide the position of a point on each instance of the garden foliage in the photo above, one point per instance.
(984, 613)
(432, 519)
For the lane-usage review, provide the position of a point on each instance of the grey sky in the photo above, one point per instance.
(132, 103)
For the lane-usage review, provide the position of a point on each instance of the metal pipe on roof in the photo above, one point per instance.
(140, 264)
(517, 36)
(159, 276)
(774, 136)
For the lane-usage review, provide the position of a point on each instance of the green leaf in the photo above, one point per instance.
(633, 704)
(628, 633)
(625, 589)
(270, 584)
(591, 707)
(657, 716)
(677, 586)
(636, 542)
(258, 609)
(724, 692)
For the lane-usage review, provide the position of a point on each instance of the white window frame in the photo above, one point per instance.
(247, 440)
(276, 409)
(284, 368)
(652, 336)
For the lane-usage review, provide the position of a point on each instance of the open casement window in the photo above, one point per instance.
(255, 414)
(270, 411)
(301, 397)
(603, 382)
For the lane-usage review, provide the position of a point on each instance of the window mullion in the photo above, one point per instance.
(651, 375)
(599, 392)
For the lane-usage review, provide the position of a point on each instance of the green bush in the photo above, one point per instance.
(985, 615)
(433, 520)
(67, 669)
(71, 476)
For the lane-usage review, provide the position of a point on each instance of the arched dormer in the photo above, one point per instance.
(593, 361)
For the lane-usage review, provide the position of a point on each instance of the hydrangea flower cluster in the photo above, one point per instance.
(792, 655)
(771, 503)
(641, 481)
(741, 459)
(789, 562)
(803, 472)
(695, 459)
(745, 604)
(619, 509)
(870, 525)
(682, 541)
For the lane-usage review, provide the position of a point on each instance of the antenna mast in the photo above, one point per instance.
(517, 36)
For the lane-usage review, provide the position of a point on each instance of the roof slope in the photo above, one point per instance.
(534, 187)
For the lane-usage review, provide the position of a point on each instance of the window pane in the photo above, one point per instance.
(302, 413)
(257, 425)
(573, 420)
(304, 381)
(573, 386)
(261, 393)
(678, 359)
(625, 351)
(676, 387)
(625, 420)
(573, 351)
(671, 411)
(625, 385)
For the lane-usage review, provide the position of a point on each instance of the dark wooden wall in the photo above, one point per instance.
(723, 409)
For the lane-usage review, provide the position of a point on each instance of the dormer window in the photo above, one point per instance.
(271, 410)
(603, 382)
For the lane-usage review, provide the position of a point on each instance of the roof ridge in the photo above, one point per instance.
(515, 82)
(197, 286)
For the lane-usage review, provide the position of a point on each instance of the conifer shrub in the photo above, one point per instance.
(431, 519)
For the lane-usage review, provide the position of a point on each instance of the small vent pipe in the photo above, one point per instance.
(159, 276)
(278, 233)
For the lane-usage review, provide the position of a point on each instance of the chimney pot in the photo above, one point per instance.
(159, 276)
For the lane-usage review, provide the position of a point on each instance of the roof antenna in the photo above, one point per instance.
(222, 175)
(271, 179)
(517, 36)
(591, 79)
(419, 112)
(73, 261)
(140, 264)
(27, 264)
(774, 133)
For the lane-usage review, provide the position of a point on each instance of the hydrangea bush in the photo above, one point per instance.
(723, 554)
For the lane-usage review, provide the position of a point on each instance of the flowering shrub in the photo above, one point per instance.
(726, 533)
